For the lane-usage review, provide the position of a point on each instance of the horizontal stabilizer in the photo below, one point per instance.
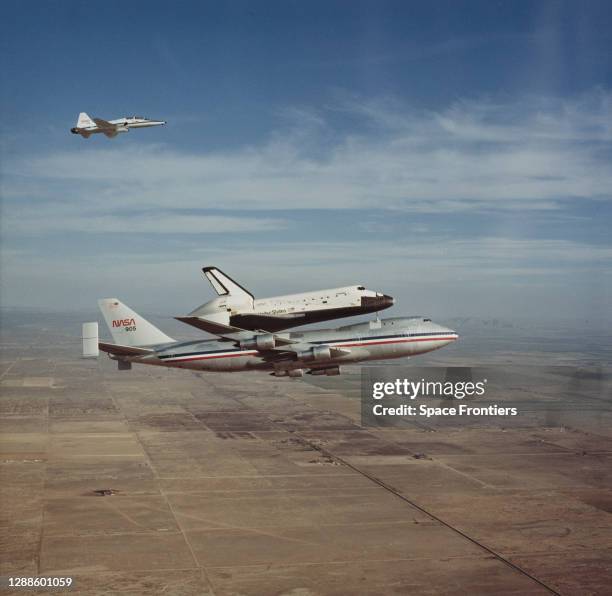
(118, 350)
(90, 340)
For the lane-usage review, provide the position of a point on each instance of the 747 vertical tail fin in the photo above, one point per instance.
(128, 328)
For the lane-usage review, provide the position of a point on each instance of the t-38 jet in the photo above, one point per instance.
(318, 352)
(87, 126)
(236, 306)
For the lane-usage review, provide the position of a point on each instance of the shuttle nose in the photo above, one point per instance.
(377, 302)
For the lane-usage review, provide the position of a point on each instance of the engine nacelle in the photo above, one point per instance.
(315, 354)
(74, 131)
(294, 373)
(259, 342)
(122, 129)
(332, 371)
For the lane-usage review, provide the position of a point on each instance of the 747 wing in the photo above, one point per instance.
(272, 347)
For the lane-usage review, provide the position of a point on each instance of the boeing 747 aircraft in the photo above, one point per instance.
(319, 352)
(236, 306)
(87, 126)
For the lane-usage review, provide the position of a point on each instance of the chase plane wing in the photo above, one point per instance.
(104, 124)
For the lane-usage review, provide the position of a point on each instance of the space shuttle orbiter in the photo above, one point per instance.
(236, 306)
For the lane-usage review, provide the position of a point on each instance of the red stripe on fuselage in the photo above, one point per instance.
(215, 356)
(394, 341)
(371, 343)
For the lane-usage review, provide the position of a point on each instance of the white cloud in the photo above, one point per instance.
(489, 276)
(38, 221)
(471, 156)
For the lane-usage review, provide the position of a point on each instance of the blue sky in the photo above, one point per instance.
(453, 154)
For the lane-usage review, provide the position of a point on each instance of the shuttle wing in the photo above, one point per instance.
(218, 329)
(270, 322)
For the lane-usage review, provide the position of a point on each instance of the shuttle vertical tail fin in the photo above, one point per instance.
(225, 285)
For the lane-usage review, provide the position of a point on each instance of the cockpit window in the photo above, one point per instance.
(360, 288)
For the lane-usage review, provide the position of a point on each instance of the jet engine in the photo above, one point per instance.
(315, 353)
(331, 371)
(294, 373)
(259, 342)
(74, 131)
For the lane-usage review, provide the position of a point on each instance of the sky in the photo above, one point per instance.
(456, 155)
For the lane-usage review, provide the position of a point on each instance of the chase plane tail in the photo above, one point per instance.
(84, 121)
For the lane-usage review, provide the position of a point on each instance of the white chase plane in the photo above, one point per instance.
(87, 126)
(236, 306)
(289, 354)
